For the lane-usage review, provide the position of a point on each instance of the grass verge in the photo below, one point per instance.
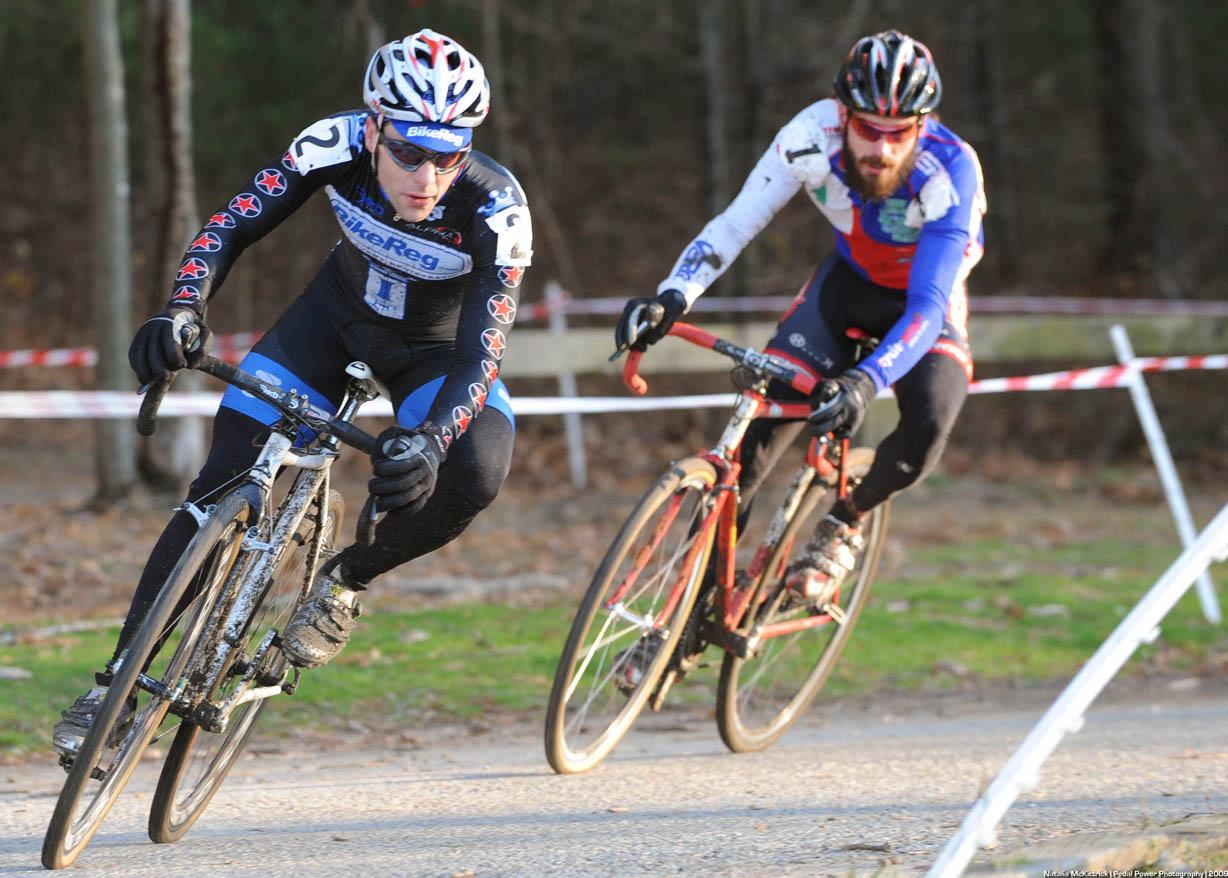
(983, 612)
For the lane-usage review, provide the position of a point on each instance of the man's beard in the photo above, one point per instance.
(879, 186)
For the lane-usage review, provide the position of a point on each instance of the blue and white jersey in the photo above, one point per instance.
(924, 239)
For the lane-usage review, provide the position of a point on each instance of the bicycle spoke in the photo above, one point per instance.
(199, 760)
(762, 695)
(629, 621)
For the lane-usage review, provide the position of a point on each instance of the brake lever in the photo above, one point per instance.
(367, 520)
(640, 329)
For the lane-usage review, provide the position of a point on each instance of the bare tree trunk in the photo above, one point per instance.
(173, 455)
(109, 221)
(492, 60)
(1132, 111)
(1192, 149)
(374, 32)
(541, 151)
(753, 135)
(153, 175)
(993, 102)
(717, 121)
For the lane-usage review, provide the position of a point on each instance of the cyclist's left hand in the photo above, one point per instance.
(157, 350)
(406, 466)
(840, 403)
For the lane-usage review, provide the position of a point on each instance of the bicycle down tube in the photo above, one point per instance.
(751, 404)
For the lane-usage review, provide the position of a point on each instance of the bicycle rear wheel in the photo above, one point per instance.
(626, 628)
(160, 650)
(761, 696)
(198, 761)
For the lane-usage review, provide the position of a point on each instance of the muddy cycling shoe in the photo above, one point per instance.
(69, 732)
(630, 664)
(830, 556)
(321, 625)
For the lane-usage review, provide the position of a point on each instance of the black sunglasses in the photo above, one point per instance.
(411, 157)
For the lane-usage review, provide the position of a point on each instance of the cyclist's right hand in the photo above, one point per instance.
(647, 320)
(839, 404)
(406, 465)
(158, 351)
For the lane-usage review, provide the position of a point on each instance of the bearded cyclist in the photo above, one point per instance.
(906, 197)
(422, 286)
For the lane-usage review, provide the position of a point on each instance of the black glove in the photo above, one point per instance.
(158, 348)
(406, 465)
(659, 313)
(840, 403)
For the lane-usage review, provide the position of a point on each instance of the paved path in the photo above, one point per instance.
(869, 785)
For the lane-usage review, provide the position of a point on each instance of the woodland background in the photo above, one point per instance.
(1099, 124)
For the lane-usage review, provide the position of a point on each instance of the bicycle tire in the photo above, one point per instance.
(209, 554)
(760, 697)
(198, 761)
(596, 696)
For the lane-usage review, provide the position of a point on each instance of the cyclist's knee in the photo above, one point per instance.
(478, 488)
(914, 450)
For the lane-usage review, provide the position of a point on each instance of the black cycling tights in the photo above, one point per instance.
(469, 479)
(930, 396)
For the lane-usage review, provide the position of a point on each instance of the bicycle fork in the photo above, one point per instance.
(255, 576)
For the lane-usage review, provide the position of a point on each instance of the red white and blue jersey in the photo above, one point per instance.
(454, 277)
(923, 239)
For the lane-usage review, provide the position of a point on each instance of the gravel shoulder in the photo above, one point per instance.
(872, 786)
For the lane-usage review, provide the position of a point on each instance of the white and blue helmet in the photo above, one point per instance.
(427, 78)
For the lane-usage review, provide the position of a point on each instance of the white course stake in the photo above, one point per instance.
(1164, 463)
(1022, 771)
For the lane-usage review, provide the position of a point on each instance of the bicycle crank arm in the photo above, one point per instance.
(663, 687)
(730, 641)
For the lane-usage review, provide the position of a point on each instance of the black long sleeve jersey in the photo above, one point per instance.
(453, 277)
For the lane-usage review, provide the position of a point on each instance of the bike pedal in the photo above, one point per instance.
(266, 677)
(288, 686)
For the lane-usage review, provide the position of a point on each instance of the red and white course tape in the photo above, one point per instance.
(226, 347)
(123, 404)
(1098, 376)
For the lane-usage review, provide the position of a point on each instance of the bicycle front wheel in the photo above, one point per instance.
(198, 761)
(761, 696)
(158, 654)
(630, 619)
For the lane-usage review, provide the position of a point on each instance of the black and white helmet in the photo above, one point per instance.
(889, 74)
(427, 77)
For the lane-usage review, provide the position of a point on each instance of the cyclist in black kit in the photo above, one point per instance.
(422, 286)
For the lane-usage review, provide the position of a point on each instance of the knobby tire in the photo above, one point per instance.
(211, 551)
(595, 696)
(198, 761)
(760, 697)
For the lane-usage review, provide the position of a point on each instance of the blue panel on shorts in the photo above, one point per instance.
(417, 405)
(277, 374)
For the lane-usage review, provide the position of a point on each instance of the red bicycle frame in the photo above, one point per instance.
(737, 631)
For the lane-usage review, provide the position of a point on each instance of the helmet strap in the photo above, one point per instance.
(379, 126)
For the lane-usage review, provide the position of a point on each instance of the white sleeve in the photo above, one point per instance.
(799, 156)
(768, 188)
